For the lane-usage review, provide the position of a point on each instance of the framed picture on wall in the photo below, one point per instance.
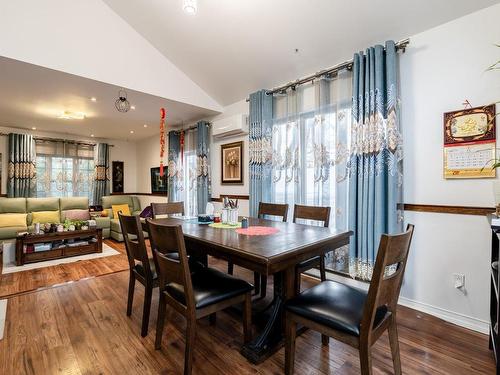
(117, 176)
(159, 185)
(232, 163)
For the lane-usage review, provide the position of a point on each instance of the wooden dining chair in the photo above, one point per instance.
(170, 208)
(354, 316)
(193, 294)
(142, 268)
(315, 213)
(265, 210)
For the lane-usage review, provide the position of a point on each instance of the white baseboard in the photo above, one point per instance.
(461, 320)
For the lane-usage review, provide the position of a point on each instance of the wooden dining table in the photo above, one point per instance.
(274, 254)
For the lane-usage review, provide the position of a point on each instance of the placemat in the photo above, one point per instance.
(257, 231)
(224, 226)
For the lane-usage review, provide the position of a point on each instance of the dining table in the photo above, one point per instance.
(273, 254)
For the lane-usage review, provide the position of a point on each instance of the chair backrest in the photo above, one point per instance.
(273, 209)
(312, 213)
(169, 208)
(387, 276)
(134, 242)
(167, 239)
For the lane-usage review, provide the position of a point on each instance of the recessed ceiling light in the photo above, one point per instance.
(189, 6)
(131, 132)
(132, 107)
(92, 135)
(93, 99)
(145, 125)
(33, 128)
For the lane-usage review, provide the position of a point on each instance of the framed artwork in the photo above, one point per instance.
(159, 185)
(469, 143)
(232, 163)
(117, 176)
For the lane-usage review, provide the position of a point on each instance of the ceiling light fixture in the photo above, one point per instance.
(189, 6)
(132, 107)
(131, 132)
(122, 104)
(33, 128)
(93, 99)
(92, 135)
(145, 125)
(68, 115)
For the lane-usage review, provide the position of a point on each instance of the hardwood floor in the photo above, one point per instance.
(82, 328)
(26, 281)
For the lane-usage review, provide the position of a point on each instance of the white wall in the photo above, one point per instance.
(88, 39)
(148, 156)
(442, 67)
(121, 151)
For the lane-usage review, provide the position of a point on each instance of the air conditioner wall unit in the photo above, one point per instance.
(230, 126)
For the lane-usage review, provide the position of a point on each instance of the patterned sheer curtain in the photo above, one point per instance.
(203, 165)
(64, 169)
(310, 139)
(174, 167)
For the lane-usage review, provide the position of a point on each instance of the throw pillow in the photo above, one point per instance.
(76, 214)
(12, 220)
(45, 217)
(123, 208)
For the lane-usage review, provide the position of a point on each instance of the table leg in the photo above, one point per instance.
(270, 339)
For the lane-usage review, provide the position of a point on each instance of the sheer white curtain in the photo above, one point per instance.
(311, 134)
(188, 193)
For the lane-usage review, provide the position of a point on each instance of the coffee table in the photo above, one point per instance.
(63, 240)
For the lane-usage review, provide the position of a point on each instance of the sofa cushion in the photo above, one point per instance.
(103, 222)
(12, 220)
(12, 205)
(76, 214)
(115, 225)
(110, 200)
(123, 208)
(136, 204)
(74, 203)
(45, 217)
(11, 232)
(42, 204)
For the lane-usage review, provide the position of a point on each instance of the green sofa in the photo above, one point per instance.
(30, 205)
(110, 200)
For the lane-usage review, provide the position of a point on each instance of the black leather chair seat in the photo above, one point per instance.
(335, 305)
(210, 286)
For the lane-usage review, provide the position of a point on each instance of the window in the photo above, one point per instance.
(64, 169)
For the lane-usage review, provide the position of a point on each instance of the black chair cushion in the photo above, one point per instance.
(334, 305)
(210, 286)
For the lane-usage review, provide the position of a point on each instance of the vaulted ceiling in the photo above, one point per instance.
(233, 47)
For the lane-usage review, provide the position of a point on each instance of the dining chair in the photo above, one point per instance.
(170, 208)
(142, 268)
(265, 210)
(193, 294)
(351, 315)
(315, 213)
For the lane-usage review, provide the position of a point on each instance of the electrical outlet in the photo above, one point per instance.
(459, 280)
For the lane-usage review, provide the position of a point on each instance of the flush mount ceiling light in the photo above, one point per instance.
(122, 104)
(68, 115)
(189, 6)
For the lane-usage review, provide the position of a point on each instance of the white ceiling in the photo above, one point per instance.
(233, 47)
(33, 96)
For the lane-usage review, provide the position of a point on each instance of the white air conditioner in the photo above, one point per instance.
(230, 126)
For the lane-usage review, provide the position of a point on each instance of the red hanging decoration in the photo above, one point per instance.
(163, 114)
(182, 146)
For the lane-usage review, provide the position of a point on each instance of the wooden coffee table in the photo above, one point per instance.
(61, 252)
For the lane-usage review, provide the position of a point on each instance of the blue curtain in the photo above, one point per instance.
(260, 149)
(22, 172)
(100, 186)
(174, 167)
(375, 176)
(203, 165)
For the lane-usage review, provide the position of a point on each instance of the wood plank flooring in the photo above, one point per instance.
(81, 328)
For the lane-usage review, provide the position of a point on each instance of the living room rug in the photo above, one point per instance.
(11, 267)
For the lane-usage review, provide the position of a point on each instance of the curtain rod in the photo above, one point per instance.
(59, 140)
(400, 46)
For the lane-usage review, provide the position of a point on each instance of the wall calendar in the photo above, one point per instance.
(470, 143)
